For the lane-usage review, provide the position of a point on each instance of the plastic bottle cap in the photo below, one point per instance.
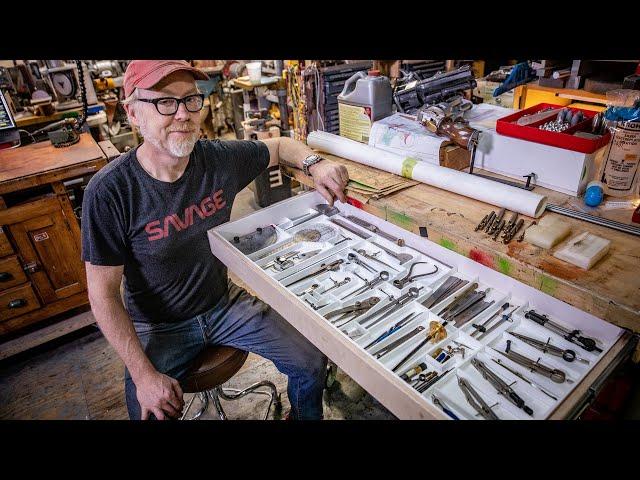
(374, 73)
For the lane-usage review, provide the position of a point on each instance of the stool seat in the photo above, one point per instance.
(213, 367)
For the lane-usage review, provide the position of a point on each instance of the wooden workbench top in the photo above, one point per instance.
(41, 162)
(610, 290)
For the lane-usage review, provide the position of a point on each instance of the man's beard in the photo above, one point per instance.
(177, 147)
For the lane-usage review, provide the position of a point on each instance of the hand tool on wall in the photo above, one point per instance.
(556, 375)
(348, 227)
(450, 285)
(439, 403)
(409, 278)
(376, 230)
(500, 385)
(437, 332)
(397, 326)
(353, 258)
(546, 347)
(482, 327)
(373, 257)
(388, 309)
(401, 257)
(476, 401)
(369, 284)
(522, 377)
(333, 266)
(589, 344)
(352, 312)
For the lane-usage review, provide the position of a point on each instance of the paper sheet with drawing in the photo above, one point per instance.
(401, 134)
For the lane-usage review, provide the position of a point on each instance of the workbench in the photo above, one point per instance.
(610, 290)
(41, 273)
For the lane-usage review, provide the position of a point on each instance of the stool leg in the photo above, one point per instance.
(205, 403)
(275, 398)
(216, 402)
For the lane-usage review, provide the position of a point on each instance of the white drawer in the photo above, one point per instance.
(344, 343)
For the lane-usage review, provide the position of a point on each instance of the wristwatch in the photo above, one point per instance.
(310, 160)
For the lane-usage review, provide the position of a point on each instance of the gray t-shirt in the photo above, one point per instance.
(158, 230)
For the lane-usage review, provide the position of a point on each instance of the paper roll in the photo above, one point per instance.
(495, 193)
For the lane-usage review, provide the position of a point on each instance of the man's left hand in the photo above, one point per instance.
(330, 180)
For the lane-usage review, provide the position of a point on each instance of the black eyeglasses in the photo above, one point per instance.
(169, 105)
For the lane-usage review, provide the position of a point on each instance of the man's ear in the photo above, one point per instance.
(131, 114)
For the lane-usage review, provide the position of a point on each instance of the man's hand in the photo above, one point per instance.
(330, 180)
(159, 394)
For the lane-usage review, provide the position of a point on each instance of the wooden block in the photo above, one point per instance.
(455, 157)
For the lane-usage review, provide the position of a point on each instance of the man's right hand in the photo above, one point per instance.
(159, 394)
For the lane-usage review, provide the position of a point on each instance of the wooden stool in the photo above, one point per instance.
(213, 367)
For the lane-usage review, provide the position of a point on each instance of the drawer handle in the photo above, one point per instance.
(5, 276)
(19, 303)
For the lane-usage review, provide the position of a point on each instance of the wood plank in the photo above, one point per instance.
(42, 157)
(575, 94)
(20, 213)
(48, 311)
(84, 168)
(609, 290)
(43, 335)
(109, 150)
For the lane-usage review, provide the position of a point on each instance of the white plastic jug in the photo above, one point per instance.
(365, 98)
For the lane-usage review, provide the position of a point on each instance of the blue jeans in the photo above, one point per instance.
(242, 321)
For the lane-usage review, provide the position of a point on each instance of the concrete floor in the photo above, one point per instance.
(80, 376)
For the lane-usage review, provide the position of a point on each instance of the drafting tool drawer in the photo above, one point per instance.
(429, 333)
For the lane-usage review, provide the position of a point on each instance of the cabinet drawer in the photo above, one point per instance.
(17, 301)
(11, 273)
(5, 246)
(348, 343)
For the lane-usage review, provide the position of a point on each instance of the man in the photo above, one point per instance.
(145, 216)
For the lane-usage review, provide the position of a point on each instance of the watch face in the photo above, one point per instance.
(62, 83)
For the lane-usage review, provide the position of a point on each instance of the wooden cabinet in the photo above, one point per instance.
(41, 272)
(49, 251)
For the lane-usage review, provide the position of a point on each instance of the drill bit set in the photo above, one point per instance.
(496, 226)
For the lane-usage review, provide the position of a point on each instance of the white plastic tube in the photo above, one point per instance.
(488, 191)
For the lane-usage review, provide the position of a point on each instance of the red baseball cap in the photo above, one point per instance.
(146, 73)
